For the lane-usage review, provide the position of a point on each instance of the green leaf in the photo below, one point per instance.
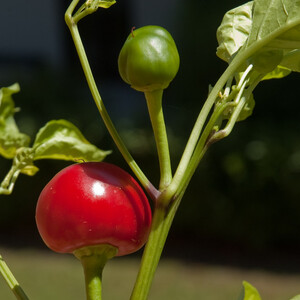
(30, 170)
(291, 60)
(288, 40)
(266, 60)
(278, 72)
(95, 4)
(10, 137)
(273, 19)
(56, 140)
(296, 298)
(106, 3)
(249, 292)
(7, 105)
(60, 139)
(234, 31)
(276, 30)
(264, 32)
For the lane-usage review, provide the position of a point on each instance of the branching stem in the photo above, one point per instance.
(100, 105)
(171, 190)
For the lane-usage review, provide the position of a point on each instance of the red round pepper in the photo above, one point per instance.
(91, 204)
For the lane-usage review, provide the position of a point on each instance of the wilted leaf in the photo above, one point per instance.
(10, 137)
(60, 139)
(7, 105)
(234, 31)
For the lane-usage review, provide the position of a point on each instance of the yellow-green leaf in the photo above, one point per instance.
(11, 138)
(249, 292)
(278, 72)
(60, 139)
(99, 3)
(106, 3)
(234, 30)
(30, 170)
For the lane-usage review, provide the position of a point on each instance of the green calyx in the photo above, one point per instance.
(149, 59)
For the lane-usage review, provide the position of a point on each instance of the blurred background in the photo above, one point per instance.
(242, 208)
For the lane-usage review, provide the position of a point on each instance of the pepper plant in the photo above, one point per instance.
(260, 40)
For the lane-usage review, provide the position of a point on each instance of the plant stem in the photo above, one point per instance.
(241, 99)
(200, 149)
(154, 102)
(172, 195)
(100, 105)
(161, 223)
(203, 143)
(11, 281)
(93, 260)
(202, 117)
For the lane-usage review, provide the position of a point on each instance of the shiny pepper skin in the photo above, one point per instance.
(91, 204)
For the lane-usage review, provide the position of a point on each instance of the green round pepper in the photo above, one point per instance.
(149, 59)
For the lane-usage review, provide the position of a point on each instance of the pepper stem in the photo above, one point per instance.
(154, 103)
(93, 260)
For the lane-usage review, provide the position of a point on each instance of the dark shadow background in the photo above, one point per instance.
(243, 204)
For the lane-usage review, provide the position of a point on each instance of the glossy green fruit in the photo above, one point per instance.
(149, 59)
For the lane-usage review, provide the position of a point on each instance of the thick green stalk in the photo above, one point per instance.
(93, 260)
(161, 224)
(154, 102)
(93, 279)
(11, 281)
